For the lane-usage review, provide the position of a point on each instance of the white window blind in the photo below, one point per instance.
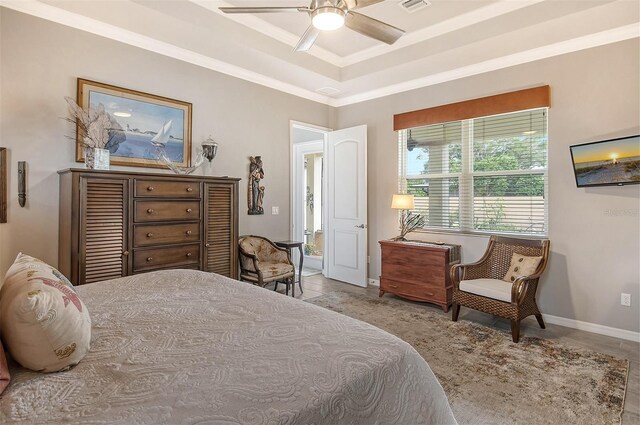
(485, 175)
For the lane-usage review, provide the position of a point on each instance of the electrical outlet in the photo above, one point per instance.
(275, 210)
(374, 282)
(625, 300)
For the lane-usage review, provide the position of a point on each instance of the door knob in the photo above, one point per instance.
(125, 253)
(361, 226)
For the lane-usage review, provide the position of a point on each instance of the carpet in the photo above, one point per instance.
(489, 379)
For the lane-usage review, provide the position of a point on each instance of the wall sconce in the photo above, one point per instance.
(3, 185)
(22, 183)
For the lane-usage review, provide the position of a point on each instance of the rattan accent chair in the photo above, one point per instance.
(262, 262)
(494, 264)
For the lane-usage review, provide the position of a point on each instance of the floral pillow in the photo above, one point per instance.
(44, 324)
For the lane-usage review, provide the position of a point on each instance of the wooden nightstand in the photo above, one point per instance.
(418, 271)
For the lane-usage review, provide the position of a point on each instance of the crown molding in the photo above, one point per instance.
(568, 46)
(93, 26)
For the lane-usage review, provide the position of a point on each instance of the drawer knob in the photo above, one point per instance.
(189, 232)
(207, 245)
(149, 259)
(125, 253)
(188, 254)
(149, 235)
(150, 188)
(189, 210)
(150, 211)
(189, 189)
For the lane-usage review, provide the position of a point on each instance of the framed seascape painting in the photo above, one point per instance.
(144, 125)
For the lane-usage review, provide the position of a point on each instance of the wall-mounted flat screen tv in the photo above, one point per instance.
(608, 162)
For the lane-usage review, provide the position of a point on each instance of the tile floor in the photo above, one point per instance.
(317, 285)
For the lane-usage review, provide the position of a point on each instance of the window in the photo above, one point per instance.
(485, 174)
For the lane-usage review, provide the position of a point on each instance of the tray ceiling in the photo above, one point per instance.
(444, 41)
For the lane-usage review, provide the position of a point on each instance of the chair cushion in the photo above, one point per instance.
(44, 325)
(521, 265)
(491, 288)
(269, 269)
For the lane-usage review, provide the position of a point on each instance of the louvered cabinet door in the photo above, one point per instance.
(220, 229)
(103, 229)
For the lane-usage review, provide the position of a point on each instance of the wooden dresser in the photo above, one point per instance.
(418, 271)
(115, 224)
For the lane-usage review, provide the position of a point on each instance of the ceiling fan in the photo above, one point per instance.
(328, 15)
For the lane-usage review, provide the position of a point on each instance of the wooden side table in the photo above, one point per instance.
(289, 245)
(418, 271)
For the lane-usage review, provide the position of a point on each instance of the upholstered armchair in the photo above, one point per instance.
(481, 285)
(262, 262)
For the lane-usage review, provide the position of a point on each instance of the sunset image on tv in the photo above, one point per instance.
(609, 162)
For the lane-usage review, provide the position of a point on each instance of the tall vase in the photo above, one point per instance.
(96, 159)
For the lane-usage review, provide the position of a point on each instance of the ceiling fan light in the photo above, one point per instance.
(327, 18)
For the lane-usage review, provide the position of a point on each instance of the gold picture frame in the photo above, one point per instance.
(141, 116)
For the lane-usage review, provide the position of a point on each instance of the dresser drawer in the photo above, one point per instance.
(160, 234)
(414, 291)
(166, 210)
(156, 258)
(172, 189)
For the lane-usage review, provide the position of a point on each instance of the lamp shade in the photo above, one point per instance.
(402, 201)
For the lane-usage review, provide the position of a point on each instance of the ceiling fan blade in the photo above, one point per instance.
(357, 4)
(373, 28)
(307, 40)
(264, 9)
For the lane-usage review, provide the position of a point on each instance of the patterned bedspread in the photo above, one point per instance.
(196, 348)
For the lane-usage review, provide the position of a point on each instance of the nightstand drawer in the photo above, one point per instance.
(157, 189)
(160, 234)
(166, 210)
(156, 258)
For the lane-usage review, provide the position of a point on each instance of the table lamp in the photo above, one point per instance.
(409, 221)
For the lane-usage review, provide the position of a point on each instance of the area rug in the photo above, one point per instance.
(491, 380)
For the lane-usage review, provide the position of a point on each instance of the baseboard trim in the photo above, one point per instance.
(592, 327)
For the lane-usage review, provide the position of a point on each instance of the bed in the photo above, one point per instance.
(190, 347)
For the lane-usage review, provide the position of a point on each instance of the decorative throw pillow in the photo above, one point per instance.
(521, 265)
(44, 324)
(4, 370)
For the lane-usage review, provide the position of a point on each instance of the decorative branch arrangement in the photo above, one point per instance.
(98, 129)
(408, 223)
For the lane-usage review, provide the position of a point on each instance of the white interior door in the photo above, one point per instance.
(346, 176)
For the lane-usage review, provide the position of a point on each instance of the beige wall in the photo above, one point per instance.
(594, 233)
(40, 63)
